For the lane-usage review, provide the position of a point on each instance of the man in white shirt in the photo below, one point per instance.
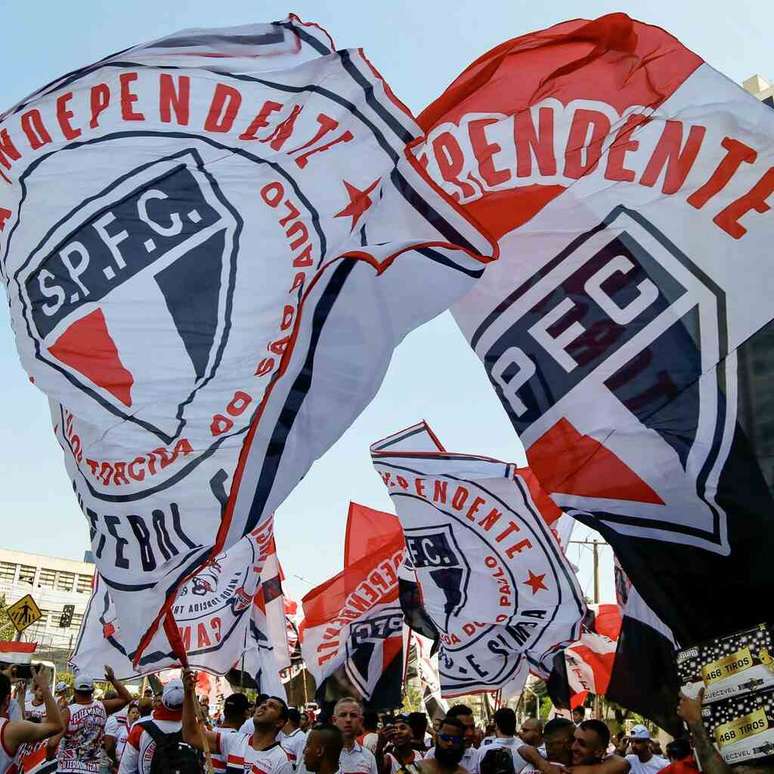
(261, 751)
(464, 714)
(642, 760)
(292, 738)
(354, 758)
(505, 737)
(140, 748)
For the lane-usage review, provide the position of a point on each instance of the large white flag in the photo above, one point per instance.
(493, 577)
(211, 245)
(217, 613)
(631, 188)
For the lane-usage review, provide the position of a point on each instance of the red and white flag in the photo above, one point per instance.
(492, 576)
(217, 613)
(211, 245)
(17, 652)
(354, 622)
(630, 186)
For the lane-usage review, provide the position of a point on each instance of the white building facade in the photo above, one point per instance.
(53, 583)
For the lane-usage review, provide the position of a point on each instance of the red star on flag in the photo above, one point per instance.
(535, 582)
(359, 202)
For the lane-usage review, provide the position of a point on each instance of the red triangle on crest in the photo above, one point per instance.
(87, 347)
(568, 462)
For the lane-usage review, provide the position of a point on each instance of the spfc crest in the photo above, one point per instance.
(158, 244)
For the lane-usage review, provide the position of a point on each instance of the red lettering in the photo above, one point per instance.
(451, 160)
(459, 497)
(238, 403)
(303, 158)
(119, 476)
(174, 95)
(623, 144)
(132, 468)
(512, 527)
(32, 125)
(754, 199)
(128, 98)
(4, 215)
(287, 317)
(484, 151)
(202, 639)
(260, 121)
(223, 109)
(99, 99)
(272, 193)
(474, 506)
(439, 491)
(304, 258)
(298, 280)
(264, 366)
(578, 140)
(220, 424)
(669, 152)
(737, 152)
(64, 116)
(279, 346)
(293, 213)
(518, 548)
(419, 486)
(280, 135)
(185, 636)
(540, 142)
(303, 236)
(7, 150)
(490, 519)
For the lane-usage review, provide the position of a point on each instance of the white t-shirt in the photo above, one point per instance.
(248, 727)
(238, 751)
(395, 764)
(6, 759)
(80, 751)
(510, 743)
(294, 744)
(370, 741)
(140, 747)
(32, 711)
(117, 726)
(468, 757)
(655, 764)
(358, 760)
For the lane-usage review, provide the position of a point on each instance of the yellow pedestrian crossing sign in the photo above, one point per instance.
(24, 613)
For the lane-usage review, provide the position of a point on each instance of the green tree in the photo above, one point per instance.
(7, 629)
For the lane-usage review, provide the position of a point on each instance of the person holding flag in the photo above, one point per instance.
(260, 750)
(16, 733)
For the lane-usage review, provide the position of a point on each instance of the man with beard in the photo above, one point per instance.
(401, 756)
(589, 750)
(464, 715)
(449, 749)
(260, 751)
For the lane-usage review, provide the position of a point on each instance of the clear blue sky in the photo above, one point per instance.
(419, 48)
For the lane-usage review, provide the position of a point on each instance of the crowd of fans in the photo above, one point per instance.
(174, 733)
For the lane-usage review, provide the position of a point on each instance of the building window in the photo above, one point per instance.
(65, 581)
(7, 571)
(26, 574)
(84, 584)
(46, 578)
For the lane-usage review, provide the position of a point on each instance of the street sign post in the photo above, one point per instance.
(24, 613)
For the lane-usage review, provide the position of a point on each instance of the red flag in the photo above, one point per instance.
(367, 531)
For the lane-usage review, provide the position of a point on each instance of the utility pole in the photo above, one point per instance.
(595, 546)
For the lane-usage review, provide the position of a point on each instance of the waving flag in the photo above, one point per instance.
(216, 613)
(492, 575)
(630, 187)
(211, 245)
(353, 626)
